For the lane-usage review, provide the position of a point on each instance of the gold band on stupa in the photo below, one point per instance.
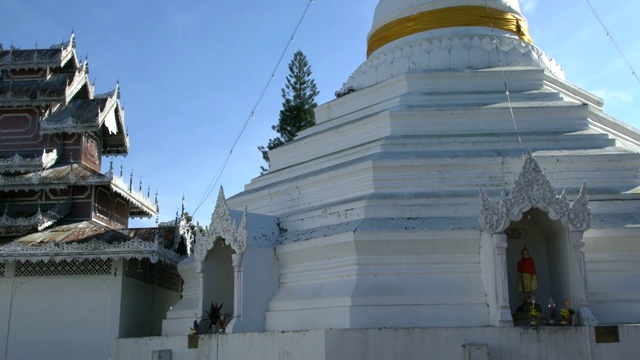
(445, 18)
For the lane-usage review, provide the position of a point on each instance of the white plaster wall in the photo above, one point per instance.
(576, 342)
(71, 317)
(143, 307)
(380, 278)
(260, 275)
(6, 286)
(613, 269)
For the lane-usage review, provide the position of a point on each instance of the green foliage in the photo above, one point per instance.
(567, 313)
(214, 313)
(533, 312)
(297, 108)
(217, 319)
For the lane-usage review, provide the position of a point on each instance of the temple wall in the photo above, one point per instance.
(143, 307)
(20, 127)
(576, 342)
(375, 278)
(77, 314)
(613, 268)
(110, 208)
(68, 317)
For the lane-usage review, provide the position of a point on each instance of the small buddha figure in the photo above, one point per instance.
(527, 279)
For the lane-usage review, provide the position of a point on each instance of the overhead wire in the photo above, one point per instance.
(615, 45)
(216, 178)
(504, 82)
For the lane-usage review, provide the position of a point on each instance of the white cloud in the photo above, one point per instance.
(614, 95)
(528, 5)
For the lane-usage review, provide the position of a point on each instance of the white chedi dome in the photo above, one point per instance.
(389, 10)
(436, 35)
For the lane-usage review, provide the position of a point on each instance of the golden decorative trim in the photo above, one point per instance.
(448, 17)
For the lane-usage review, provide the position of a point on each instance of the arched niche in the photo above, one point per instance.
(220, 249)
(213, 273)
(548, 244)
(557, 227)
(218, 278)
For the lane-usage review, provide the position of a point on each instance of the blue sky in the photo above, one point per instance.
(192, 71)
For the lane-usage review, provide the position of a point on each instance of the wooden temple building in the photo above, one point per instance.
(63, 223)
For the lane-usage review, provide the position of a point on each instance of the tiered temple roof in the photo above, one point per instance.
(53, 198)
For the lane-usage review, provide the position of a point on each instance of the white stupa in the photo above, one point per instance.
(379, 202)
(453, 146)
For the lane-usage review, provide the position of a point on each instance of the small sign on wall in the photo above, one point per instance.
(162, 354)
(607, 334)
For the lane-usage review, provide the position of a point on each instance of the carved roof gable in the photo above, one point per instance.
(102, 114)
(533, 189)
(222, 227)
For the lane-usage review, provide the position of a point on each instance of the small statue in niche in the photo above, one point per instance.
(527, 278)
(527, 283)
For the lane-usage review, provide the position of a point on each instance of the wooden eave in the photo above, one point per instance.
(16, 222)
(64, 176)
(57, 56)
(25, 162)
(55, 91)
(90, 240)
(140, 206)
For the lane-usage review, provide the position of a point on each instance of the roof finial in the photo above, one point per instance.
(72, 39)
(182, 203)
(131, 181)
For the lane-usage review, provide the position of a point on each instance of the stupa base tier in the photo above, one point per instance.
(537, 342)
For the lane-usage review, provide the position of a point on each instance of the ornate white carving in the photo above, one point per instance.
(39, 221)
(493, 217)
(533, 189)
(222, 227)
(133, 196)
(93, 249)
(21, 164)
(448, 53)
(579, 217)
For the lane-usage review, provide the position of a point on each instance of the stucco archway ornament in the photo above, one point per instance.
(533, 189)
(222, 227)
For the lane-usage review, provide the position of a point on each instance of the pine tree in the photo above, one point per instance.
(297, 108)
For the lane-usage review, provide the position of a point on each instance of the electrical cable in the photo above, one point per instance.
(216, 178)
(504, 82)
(633, 72)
